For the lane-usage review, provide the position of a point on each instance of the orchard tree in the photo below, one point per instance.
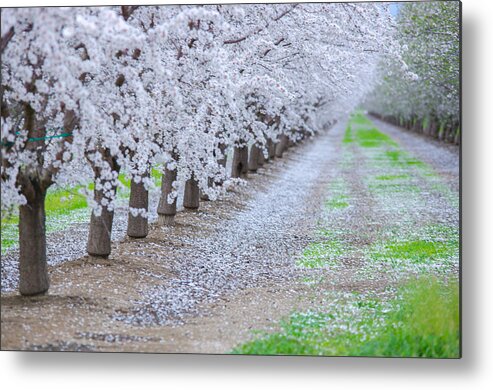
(49, 116)
(422, 92)
(40, 95)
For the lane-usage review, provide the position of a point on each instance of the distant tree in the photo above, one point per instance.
(422, 91)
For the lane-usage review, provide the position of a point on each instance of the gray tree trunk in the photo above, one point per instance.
(240, 162)
(457, 136)
(99, 241)
(434, 128)
(281, 145)
(253, 158)
(138, 226)
(450, 133)
(244, 160)
(191, 197)
(203, 195)
(166, 212)
(33, 269)
(261, 158)
(222, 162)
(271, 147)
(441, 131)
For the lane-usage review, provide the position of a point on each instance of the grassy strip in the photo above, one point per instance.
(326, 251)
(433, 243)
(339, 198)
(432, 249)
(337, 202)
(321, 254)
(348, 136)
(362, 131)
(423, 321)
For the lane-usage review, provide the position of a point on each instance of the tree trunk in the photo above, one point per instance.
(222, 161)
(457, 136)
(441, 131)
(33, 269)
(99, 241)
(433, 128)
(203, 195)
(261, 158)
(191, 196)
(219, 182)
(166, 212)
(448, 131)
(271, 149)
(244, 160)
(281, 146)
(139, 199)
(240, 162)
(253, 158)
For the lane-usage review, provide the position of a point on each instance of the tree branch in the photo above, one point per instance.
(277, 18)
(6, 38)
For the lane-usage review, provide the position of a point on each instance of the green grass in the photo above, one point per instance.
(372, 138)
(423, 321)
(58, 203)
(434, 243)
(366, 134)
(339, 198)
(398, 158)
(326, 251)
(394, 155)
(385, 188)
(321, 254)
(348, 137)
(398, 166)
(429, 250)
(392, 177)
(425, 324)
(337, 202)
(415, 251)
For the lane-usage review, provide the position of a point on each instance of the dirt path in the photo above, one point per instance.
(444, 158)
(230, 268)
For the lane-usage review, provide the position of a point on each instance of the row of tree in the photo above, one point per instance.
(89, 93)
(424, 96)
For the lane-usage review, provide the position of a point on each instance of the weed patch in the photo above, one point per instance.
(422, 321)
(415, 251)
(392, 177)
(337, 202)
(433, 249)
(321, 254)
(348, 137)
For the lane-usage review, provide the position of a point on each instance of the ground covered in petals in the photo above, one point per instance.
(330, 250)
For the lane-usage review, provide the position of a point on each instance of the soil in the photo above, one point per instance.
(206, 284)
